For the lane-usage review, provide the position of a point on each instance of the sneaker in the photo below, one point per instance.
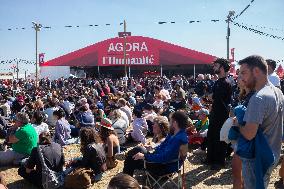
(120, 156)
(199, 151)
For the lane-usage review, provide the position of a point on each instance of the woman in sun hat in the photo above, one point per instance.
(110, 140)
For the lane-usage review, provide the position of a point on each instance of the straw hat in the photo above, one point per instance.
(106, 123)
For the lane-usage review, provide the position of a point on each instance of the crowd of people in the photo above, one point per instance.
(158, 115)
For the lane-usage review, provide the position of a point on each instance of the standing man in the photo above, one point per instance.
(272, 76)
(216, 151)
(264, 113)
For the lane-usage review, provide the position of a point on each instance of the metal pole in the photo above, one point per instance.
(129, 71)
(193, 71)
(229, 19)
(99, 71)
(36, 61)
(25, 74)
(161, 70)
(228, 39)
(17, 69)
(124, 49)
(37, 28)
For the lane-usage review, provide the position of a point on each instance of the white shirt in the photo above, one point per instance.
(165, 93)
(43, 127)
(68, 106)
(50, 120)
(158, 104)
(128, 112)
(120, 127)
(124, 117)
(274, 79)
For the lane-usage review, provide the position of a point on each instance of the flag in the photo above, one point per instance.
(41, 58)
(233, 54)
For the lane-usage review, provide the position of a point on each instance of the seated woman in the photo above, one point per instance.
(160, 130)
(98, 113)
(166, 152)
(93, 153)
(85, 118)
(119, 125)
(110, 140)
(62, 128)
(140, 127)
(38, 122)
(54, 159)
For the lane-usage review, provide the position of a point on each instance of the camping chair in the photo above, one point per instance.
(160, 181)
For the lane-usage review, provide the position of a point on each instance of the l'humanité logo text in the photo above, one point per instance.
(137, 53)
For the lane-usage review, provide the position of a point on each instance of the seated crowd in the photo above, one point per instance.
(103, 123)
(146, 120)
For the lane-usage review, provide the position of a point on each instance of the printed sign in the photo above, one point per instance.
(41, 58)
(138, 51)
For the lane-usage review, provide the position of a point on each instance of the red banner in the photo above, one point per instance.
(139, 51)
(233, 54)
(41, 58)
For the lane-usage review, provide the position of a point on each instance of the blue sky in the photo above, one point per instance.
(142, 17)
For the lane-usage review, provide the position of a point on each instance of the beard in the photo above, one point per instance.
(251, 83)
(172, 130)
(217, 71)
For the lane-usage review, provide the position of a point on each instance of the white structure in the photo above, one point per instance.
(54, 72)
(6, 75)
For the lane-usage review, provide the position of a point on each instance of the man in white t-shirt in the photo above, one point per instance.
(272, 76)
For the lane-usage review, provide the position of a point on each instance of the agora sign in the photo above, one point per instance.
(135, 47)
(138, 52)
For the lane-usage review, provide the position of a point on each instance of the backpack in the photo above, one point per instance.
(50, 178)
(79, 178)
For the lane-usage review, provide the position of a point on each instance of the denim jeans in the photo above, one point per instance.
(10, 157)
(249, 176)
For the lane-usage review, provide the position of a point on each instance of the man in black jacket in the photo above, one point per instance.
(216, 151)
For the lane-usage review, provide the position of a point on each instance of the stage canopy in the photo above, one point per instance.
(140, 51)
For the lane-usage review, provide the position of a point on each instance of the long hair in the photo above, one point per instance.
(163, 125)
(88, 136)
(104, 133)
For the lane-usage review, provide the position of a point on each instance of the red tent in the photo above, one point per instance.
(139, 51)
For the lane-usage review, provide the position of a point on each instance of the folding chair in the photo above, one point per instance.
(160, 181)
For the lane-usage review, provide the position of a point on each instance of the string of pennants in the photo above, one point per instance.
(244, 10)
(17, 60)
(257, 31)
(263, 27)
(121, 23)
(12, 69)
(96, 25)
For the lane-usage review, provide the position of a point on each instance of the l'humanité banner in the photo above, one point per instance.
(139, 51)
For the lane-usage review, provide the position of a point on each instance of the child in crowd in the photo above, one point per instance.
(198, 134)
